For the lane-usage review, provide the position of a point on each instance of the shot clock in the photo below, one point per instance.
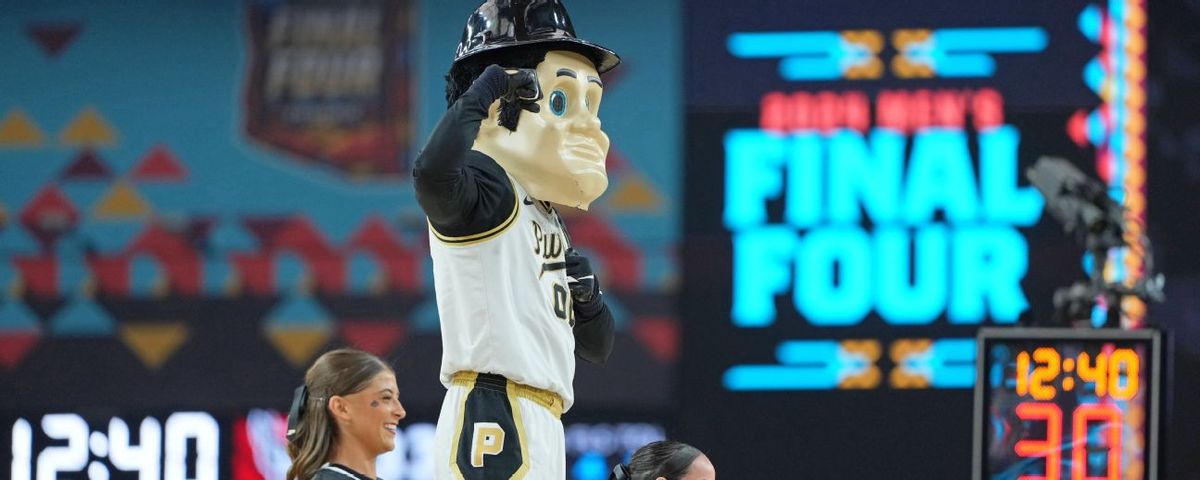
(1059, 404)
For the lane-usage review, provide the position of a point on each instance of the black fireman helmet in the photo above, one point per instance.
(502, 24)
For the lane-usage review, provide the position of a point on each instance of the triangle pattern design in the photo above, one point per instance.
(153, 344)
(86, 166)
(49, 213)
(82, 317)
(636, 195)
(122, 201)
(660, 335)
(54, 38)
(88, 128)
(15, 346)
(298, 328)
(159, 165)
(379, 337)
(18, 130)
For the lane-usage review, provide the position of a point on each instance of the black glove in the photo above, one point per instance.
(523, 88)
(580, 279)
(518, 85)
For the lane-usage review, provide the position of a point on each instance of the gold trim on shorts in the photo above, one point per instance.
(547, 399)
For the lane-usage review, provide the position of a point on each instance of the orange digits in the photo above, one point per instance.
(1110, 415)
(1051, 447)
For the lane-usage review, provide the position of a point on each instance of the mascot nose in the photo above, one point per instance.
(585, 122)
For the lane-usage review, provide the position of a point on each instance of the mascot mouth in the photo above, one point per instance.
(584, 149)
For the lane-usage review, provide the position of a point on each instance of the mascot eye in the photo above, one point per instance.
(558, 103)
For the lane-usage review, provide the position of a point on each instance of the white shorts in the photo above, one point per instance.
(491, 428)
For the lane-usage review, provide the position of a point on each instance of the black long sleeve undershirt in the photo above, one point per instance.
(464, 192)
(593, 330)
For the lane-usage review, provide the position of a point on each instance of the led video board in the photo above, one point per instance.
(1067, 403)
(856, 210)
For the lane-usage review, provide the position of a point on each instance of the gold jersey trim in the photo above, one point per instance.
(473, 239)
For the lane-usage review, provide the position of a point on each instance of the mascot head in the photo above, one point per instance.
(556, 154)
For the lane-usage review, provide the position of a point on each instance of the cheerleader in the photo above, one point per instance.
(666, 460)
(343, 417)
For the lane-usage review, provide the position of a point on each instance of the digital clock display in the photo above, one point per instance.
(1055, 404)
(175, 446)
(245, 445)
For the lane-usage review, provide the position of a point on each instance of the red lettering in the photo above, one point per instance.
(824, 111)
(919, 106)
(890, 107)
(828, 111)
(857, 111)
(949, 108)
(802, 114)
(772, 112)
(987, 109)
(901, 110)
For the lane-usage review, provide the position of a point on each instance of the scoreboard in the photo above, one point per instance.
(856, 211)
(1067, 404)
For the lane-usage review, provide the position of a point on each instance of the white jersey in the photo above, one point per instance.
(503, 300)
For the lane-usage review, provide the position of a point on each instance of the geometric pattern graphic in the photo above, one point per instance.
(153, 343)
(88, 129)
(19, 332)
(920, 53)
(86, 166)
(49, 214)
(53, 38)
(298, 328)
(141, 187)
(375, 336)
(18, 130)
(122, 201)
(1117, 130)
(660, 335)
(635, 194)
(159, 165)
(82, 317)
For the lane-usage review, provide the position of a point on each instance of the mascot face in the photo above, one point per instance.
(557, 154)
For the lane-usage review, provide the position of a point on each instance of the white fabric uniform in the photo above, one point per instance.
(506, 309)
(543, 452)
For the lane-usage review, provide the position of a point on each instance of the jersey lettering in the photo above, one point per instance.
(547, 244)
(488, 439)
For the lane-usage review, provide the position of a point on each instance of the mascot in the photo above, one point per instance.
(521, 137)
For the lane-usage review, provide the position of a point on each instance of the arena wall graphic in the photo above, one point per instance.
(223, 188)
(813, 209)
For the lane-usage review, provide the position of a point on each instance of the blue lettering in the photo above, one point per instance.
(921, 302)
(827, 301)
(752, 175)
(940, 177)
(871, 178)
(1002, 200)
(761, 269)
(803, 207)
(988, 264)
